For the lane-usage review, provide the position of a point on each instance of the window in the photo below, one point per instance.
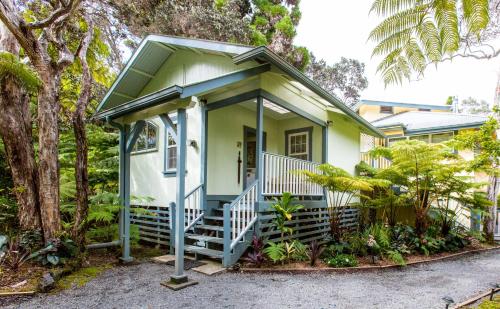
(423, 138)
(393, 140)
(171, 152)
(441, 137)
(148, 139)
(424, 109)
(298, 143)
(386, 110)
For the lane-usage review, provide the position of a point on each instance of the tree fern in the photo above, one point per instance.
(11, 66)
(416, 33)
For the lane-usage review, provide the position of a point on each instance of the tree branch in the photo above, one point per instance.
(58, 16)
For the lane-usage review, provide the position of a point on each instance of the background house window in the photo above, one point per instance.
(393, 140)
(441, 137)
(386, 110)
(298, 143)
(148, 139)
(171, 153)
(423, 138)
(424, 109)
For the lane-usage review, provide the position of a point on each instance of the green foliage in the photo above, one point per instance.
(8, 214)
(276, 251)
(300, 252)
(56, 252)
(342, 260)
(12, 67)
(284, 209)
(415, 33)
(396, 257)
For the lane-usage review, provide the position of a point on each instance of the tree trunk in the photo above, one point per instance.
(48, 110)
(16, 133)
(489, 221)
(81, 163)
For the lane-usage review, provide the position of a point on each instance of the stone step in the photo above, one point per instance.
(204, 251)
(210, 227)
(211, 239)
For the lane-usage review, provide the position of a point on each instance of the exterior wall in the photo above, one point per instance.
(146, 169)
(343, 143)
(298, 123)
(186, 67)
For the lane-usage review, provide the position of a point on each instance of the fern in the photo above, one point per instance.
(11, 66)
(275, 251)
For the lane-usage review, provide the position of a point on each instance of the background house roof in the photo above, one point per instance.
(418, 122)
(403, 104)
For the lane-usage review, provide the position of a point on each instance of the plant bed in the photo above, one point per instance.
(365, 263)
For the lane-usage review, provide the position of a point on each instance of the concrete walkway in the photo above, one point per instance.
(412, 287)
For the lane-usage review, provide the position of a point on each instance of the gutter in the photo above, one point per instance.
(265, 53)
(447, 128)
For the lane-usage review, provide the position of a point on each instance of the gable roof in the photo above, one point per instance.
(414, 122)
(403, 104)
(154, 50)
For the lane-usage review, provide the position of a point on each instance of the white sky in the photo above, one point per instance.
(333, 28)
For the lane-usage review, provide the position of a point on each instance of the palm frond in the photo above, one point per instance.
(476, 14)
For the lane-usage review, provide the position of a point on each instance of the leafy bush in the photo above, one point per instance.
(342, 260)
(284, 210)
(256, 256)
(57, 252)
(396, 257)
(335, 249)
(275, 251)
(14, 256)
(315, 251)
(8, 214)
(300, 253)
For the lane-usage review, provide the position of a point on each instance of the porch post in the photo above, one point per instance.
(203, 153)
(125, 194)
(259, 140)
(324, 149)
(179, 276)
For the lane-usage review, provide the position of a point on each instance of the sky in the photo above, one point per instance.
(332, 29)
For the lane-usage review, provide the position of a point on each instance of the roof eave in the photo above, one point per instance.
(268, 55)
(447, 128)
(141, 103)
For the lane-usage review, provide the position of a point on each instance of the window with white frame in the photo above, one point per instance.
(171, 152)
(148, 139)
(299, 143)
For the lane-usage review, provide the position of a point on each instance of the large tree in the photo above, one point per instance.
(17, 80)
(52, 35)
(345, 79)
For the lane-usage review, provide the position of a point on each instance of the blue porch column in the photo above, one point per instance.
(179, 276)
(259, 168)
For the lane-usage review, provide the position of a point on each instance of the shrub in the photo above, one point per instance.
(396, 257)
(256, 256)
(300, 253)
(275, 251)
(315, 251)
(342, 260)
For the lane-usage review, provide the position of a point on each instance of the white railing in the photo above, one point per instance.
(241, 214)
(281, 174)
(192, 207)
(379, 162)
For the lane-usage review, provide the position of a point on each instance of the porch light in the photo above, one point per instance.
(275, 108)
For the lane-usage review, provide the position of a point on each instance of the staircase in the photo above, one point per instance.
(207, 237)
(224, 234)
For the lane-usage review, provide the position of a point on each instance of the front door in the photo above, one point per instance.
(250, 155)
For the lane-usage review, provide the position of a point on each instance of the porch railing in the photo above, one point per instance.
(281, 175)
(240, 216)
(379, 162)
(192, 207)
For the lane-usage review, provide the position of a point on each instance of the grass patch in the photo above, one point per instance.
(490, 304)
(80, 277)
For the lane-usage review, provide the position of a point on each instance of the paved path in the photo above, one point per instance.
(412, 287)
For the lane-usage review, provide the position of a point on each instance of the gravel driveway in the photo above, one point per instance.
(422, 286)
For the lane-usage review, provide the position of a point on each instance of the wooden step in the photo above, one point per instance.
(216, 218)
(210, 227)
(204, 251)
(211, 239)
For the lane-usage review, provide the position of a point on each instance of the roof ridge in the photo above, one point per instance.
(393, 115)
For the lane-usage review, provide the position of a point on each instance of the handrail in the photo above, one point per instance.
(279, 176)
(240, 216)
(192, 207)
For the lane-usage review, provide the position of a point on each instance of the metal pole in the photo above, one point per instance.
(179, 276)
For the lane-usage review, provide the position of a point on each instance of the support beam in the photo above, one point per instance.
(324, 145)
(146, 74)
(134, 134)
(179, 276)
(169, 124)
(259, 168)
(203, 152)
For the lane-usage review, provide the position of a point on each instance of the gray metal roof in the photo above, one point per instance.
(418, 122)
(403, 104)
